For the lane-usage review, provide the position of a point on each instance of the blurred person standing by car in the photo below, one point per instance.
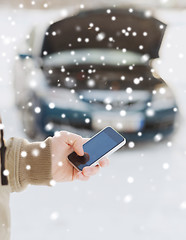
(37, 163)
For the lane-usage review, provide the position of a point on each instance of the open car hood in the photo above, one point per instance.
(118, 29)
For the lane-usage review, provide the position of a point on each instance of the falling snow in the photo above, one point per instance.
(147, 178)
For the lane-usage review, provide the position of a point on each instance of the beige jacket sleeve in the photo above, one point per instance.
(4, 213)
(28, 163)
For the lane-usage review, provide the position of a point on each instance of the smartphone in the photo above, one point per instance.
(101, 145)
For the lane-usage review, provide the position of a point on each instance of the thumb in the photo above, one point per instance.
(76, 142)
(78, 148)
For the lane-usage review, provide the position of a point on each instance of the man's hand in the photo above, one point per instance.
(62, 145)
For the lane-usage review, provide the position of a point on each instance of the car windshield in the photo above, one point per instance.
(95, 56)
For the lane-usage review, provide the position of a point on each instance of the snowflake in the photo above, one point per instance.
(150, 112)
(43, 145)
(23, 154)
(83, 59)
(130, 98)
(91, 83)
(128, 198)
(166, 166)
(87, 120)
(108, 107)
(123, 113)
(21, 5)
(162, 90)
(72, 91)
(148, 13)
(113, 18)
(181, 55)
(130, 179)
(52, 183)
(63, 115)
(122, 78)
(45, 5)
(183, 205)
(37, 109)
(136, 81)
(28, 167)
(131, 144)
(139, 134)
(134, 34)
(60, 164)
(51, 105)
(100, 36)
(145, 57)
(129, 90)
(54, 216)
(111, 39)
(82, 6)
(35, 152)
(158, 137)
(62, 69)
(119, 126)
(32, 84)
(169, 144)
(57, 134)
(6, 172)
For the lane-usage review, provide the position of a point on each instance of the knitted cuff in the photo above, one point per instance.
(28, 163)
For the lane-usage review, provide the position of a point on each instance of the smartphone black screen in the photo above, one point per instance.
(96, 147)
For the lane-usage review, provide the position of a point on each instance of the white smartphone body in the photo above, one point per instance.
(104, 143)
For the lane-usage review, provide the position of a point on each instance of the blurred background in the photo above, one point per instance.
(57, 3)
(141, 195)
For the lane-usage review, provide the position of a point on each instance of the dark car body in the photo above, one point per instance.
(92, 70)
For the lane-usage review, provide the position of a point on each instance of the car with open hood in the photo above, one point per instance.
(93, 69)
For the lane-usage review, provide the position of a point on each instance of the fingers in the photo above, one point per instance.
(104, 162)
(80, 176)
(76, 142)
(87, 172)
(90, 171)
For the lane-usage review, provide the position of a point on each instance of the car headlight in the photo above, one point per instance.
(55, 97)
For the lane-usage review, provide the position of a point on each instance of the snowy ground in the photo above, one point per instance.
(141, 195)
